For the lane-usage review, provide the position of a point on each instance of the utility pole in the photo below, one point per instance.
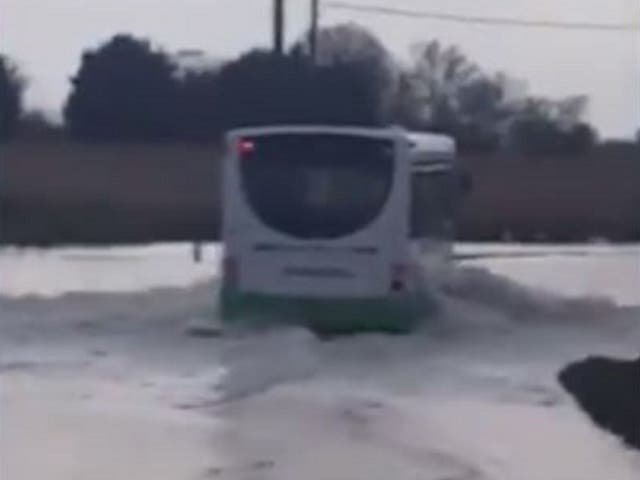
(313, 31)
(278, 26)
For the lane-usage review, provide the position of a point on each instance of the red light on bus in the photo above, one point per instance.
(245, 147)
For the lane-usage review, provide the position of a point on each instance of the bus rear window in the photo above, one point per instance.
(316, 186)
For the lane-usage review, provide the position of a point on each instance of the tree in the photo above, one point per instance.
(484, 100)
(484, 110)
(454, 97)
(198, 114)
(261, 88)
(349, 43)
(545, 127)
(569, 111)
(439, 73)
(350, 47)
(11, 88)
(35, 126)
(407, 108)
(124, 90)
(257, 89)
(582, 137)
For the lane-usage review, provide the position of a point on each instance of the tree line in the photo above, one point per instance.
(128, 90)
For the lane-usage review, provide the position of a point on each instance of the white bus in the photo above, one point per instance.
(327, 226)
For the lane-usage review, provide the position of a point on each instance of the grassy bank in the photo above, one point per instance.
(70, 193)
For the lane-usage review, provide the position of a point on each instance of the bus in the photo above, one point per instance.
(328, 227)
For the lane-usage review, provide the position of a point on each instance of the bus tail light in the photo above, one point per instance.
(399, 276)
(245, 147)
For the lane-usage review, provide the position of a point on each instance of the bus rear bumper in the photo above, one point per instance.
(326, 316)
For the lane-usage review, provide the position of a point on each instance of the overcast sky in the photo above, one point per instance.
(46, 38)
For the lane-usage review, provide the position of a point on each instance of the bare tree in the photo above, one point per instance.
(439, 74)
(451, 94)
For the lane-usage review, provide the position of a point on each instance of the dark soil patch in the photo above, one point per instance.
(608, 390)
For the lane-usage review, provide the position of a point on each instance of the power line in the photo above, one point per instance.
(491, 21)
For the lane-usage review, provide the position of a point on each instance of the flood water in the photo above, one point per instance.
(99, 379)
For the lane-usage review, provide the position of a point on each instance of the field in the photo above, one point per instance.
(554, 198)
(54, 193)
(69, 193)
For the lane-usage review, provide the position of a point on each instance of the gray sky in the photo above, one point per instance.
(46, 38)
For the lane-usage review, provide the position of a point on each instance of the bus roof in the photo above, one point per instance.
(432, 142)
(427, 142)
(373, 132)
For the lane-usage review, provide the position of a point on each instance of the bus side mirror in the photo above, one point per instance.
(466, 183)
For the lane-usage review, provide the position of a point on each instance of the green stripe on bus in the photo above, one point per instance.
(323, 316)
